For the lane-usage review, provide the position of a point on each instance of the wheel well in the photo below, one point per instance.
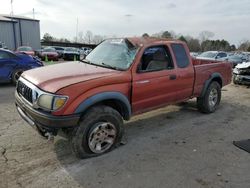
(115, 104)
(217, 79)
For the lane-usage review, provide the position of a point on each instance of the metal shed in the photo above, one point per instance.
(18, 31)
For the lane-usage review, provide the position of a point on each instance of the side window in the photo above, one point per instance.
(180, 54)
(3, 55)
(220, 55)
(156, 58)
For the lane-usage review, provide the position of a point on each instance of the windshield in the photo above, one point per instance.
(208, 54)
(113, 53)
(26, 48)
(238, 58)
(71, 49)
(49, 50)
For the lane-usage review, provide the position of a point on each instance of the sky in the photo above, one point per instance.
(227, 19)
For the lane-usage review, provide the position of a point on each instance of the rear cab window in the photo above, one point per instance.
(182, 59)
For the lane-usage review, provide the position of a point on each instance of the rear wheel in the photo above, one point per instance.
(211, 100)
(16, 75)
(99, 131)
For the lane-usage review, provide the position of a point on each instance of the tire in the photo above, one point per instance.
(100, 130)
(15, 75)
(211, 100)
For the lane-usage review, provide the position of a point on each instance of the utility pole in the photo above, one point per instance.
(33, 12)
(11, 4)
(76, 28)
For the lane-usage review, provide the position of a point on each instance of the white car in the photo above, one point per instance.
(212, 55)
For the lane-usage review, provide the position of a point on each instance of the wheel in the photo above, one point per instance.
(235, 80)
(211, 100)
(15, 75)
(100, 130)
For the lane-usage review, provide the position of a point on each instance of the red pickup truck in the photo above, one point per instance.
(89, 99)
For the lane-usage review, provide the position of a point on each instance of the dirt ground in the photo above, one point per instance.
(172, 147)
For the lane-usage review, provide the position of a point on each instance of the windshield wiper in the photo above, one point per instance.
(85, 61)
(110, 66)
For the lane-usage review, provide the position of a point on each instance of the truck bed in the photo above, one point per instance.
(203, 70)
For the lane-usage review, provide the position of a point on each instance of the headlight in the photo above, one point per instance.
(235, 71)
(51, 102)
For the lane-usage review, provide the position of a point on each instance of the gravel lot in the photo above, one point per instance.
(172, 147)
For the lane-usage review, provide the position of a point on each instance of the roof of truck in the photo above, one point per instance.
(139, 41)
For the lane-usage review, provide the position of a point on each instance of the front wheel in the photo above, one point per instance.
(99, 131)
(16, 75)
(211, 100)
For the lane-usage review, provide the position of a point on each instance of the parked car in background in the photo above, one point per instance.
(38, 52)
(87, 52)
(2, 45)
(12, 65)
(234, 59)
(50, 53)
(241, 73)
(194, 54)
(212, 55)
(59, 50)
(26, 49)
(71, 53)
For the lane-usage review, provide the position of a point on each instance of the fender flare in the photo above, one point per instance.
(84, 105)
(207, 82)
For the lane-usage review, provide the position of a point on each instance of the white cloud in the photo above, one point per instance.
(228, 19)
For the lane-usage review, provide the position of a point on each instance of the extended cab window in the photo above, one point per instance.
(155, 58)
(180, 54)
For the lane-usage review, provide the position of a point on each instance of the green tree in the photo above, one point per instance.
(166, 34)
(182, 38)
(47, 37)
(145, 35)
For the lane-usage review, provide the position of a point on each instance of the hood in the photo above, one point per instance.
(54, 77)
(205, 58)
(243, 65)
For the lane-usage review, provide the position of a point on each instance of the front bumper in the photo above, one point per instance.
(44, 120)
(243, 79)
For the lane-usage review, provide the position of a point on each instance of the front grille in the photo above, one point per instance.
(24, 91)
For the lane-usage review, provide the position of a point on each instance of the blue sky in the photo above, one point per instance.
(228, 19)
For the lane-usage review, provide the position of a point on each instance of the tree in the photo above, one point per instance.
(47, 37)
(182, 38)
(63, 40)
(97, 39)
(80, 37)
(232, 47)
(166, 34)
(244, 45)
(193, 44)
(145, 35)
(220, 45)
(88, 37)
(205, 35)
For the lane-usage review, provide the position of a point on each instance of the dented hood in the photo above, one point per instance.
(54, 77)
(243, 65)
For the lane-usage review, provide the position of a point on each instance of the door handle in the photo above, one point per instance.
(172, 77)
